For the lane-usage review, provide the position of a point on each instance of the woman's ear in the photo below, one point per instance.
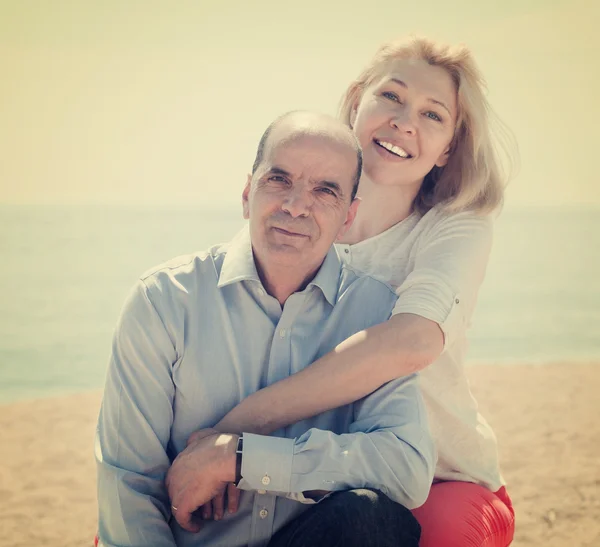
(355, 92)
(443, 158)
(353, 114)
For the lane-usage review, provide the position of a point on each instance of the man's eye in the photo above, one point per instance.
(433, 116)
(328, 191)
(277, 178)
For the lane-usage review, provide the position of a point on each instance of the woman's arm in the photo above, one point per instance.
(404, 344)
(443, 286)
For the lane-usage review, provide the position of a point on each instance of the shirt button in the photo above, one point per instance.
(457, 301)
(261, 492)
(347, 251)
(281, 333)
(261, 291)
(263, 513)
(266, 480)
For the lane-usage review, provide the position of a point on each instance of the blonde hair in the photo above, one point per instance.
(473, 178)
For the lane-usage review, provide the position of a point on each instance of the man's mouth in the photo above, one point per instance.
(288, 233)
(393, 149)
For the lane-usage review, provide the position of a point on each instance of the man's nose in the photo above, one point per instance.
(297, 203)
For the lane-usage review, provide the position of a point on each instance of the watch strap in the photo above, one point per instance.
(238, 459)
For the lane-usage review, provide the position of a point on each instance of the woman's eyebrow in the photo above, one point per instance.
(430, 99)
(435, 101)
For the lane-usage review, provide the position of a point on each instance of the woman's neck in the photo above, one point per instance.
(381, 208)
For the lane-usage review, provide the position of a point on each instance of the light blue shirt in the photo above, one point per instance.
(199, 334)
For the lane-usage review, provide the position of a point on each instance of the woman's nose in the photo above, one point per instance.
(402, 121)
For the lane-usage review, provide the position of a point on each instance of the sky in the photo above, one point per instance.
(163, 103)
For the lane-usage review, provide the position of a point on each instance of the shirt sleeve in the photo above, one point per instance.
(388, 448)
(448, 270)
(134, 428)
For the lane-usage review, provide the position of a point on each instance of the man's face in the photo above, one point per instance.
(299, 199)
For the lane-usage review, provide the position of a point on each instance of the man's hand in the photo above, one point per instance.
(200, 473)
(215, 509)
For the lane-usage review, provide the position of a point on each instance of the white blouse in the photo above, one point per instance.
(436, 263)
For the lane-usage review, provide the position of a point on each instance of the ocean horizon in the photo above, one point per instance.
(67, 270)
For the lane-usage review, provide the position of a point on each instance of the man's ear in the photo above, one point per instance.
(245, 197)
(350, 216)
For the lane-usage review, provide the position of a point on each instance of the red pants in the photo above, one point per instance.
(462, 514)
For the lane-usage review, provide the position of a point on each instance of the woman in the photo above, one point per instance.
(430, 184)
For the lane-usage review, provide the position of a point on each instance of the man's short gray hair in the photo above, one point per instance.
(260, 151)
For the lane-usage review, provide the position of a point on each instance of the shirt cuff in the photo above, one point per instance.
(450, 318)
(266, 463)
(301, 498)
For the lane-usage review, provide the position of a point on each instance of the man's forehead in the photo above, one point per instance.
(313, 153)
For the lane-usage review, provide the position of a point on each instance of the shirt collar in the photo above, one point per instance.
(328, 276)
(239, 265)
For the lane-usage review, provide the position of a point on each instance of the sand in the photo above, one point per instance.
(547, 419)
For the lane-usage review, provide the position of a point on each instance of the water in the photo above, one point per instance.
(66, 272)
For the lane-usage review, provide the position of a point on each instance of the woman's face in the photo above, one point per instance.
(405, 122)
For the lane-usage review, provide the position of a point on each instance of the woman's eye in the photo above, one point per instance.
(433, 116)
(390, 95)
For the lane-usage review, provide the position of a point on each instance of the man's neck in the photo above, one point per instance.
(381, 207)
(283, 281)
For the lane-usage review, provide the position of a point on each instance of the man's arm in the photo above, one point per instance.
(134, 429)
(388, 447)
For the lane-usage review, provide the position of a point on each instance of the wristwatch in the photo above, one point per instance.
(238, 459)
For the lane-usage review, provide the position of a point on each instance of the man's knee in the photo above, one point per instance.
(359, 517)
(364, 503)
(369, 511)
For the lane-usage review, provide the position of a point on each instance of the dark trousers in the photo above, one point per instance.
(356, 518)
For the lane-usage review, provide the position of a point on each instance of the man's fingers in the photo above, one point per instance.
(218, 503)
(207, 510)
(233, 498)
(184, 514)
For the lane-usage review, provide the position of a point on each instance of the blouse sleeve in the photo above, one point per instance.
(449, 267)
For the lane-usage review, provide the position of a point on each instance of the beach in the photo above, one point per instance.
(545, 417)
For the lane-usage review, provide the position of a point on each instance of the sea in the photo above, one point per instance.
(67, 269)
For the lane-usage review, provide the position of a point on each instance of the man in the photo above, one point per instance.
(202, 332)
